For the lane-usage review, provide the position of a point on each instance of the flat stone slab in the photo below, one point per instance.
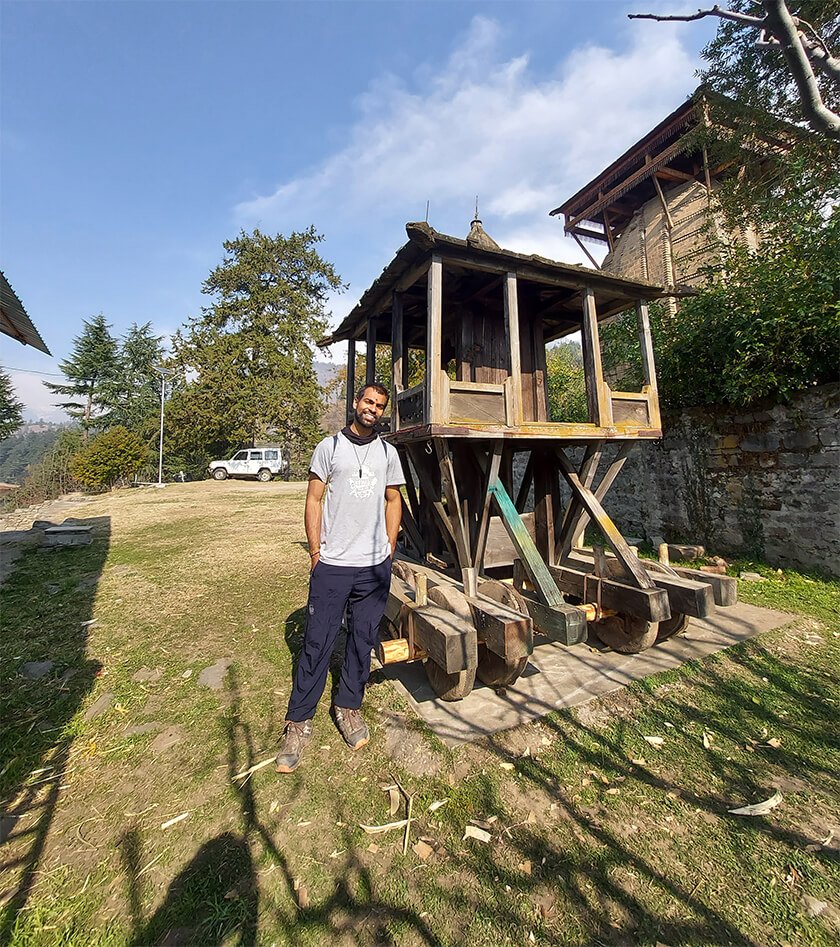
(559, 676)
(213, 676)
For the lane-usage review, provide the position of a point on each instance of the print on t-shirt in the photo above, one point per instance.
(363, 486)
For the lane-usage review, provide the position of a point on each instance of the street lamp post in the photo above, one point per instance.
(164, 374)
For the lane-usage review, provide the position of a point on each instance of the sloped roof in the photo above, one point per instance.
(423, 241)
(14, 320)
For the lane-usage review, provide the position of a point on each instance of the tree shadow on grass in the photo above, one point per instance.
(217, 898)
(47, 607)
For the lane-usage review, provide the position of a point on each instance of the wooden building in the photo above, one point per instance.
(477, 574)
(653, 207)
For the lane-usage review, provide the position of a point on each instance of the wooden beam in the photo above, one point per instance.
(581, 516)
(544, 585)
(350, 384)
(563, 623)
(685, 596)
(574, 519)
(597, 394)
(484, 523)
(370, 352)
(616, 541)
(583, 247)
(651, 604)
(434, 313)
(672, 174)
(397, 357)
(512, 332)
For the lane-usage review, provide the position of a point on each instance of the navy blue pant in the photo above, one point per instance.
(364, 593)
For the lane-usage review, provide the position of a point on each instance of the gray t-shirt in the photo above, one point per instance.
(353, 520)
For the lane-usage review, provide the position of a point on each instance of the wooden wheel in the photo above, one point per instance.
(493, 669)
(626, 633)
(449, 686)
(675, 625)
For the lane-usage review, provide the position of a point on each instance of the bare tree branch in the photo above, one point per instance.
(780, 24)
(803, 53)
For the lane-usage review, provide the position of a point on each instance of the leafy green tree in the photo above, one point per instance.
(137, 396)
(110, 458)
(770, 328)
(11, 416)
(92, 375)
(245, 364)
(22, 450)
(566, 383)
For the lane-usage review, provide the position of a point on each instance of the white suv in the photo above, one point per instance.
(260, 462)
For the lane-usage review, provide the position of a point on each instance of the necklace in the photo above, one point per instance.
(360, 460)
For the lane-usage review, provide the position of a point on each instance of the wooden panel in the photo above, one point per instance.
(411, 405)
(500, 550)
(483, 407)
(630, 411)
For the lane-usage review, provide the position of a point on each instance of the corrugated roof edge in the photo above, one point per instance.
(19, 318)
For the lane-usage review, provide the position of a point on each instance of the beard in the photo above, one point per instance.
(363, 422)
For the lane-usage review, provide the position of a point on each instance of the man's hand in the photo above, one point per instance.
(314, 559)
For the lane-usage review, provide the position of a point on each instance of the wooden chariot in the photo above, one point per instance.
(497, 497)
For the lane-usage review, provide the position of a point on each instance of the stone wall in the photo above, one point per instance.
(763, 482)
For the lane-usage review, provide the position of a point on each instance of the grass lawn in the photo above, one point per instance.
(596, 835)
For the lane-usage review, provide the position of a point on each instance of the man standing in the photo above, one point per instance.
(351, 538)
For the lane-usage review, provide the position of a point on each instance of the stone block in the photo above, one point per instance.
(800, 440)
(730, 441)
(68, 535)
(760, 443)
(680, 551)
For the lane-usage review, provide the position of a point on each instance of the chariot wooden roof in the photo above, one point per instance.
(472, 273)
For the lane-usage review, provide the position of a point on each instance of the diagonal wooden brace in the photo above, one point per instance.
(544, 585)
(634, 569)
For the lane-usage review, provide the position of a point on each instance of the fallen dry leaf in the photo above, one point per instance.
(507, 766)
(387, 827)
(707, 740)
(759, 808)
(613, 792)
(178, 818)
(525, 867)
(436, 805)
(775, 742)
(473, 831)
(655, 741)
(422, 850)
(373, 848)
(394, 800)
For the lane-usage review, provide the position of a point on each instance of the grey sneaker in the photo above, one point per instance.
(351, 725)
(298, 738)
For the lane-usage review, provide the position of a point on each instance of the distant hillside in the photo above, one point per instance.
(324, 371)
(25, 448)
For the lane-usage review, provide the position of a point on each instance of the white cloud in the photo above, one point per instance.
(488, 126)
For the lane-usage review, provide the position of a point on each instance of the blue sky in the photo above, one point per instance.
(138, 136)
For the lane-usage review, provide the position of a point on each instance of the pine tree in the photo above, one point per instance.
(11, 417)
(137, 395)
(92, 373)
(249, 355)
